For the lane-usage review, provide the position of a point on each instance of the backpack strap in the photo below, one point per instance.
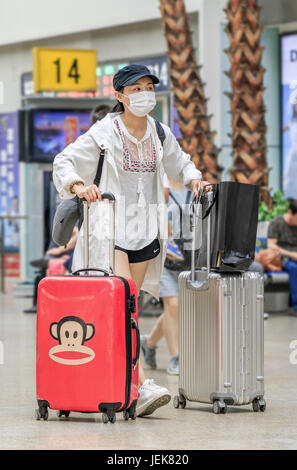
(160, 132)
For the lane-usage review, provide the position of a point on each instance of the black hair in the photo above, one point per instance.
(293, 206)
(119, 107)
(99, 112)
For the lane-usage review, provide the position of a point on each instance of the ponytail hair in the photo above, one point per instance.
(119, 107)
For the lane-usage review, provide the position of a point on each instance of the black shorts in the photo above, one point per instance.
(145, 254)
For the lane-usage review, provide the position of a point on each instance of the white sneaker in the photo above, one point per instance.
(151, 397)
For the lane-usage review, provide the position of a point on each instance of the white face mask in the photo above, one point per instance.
(141, 103)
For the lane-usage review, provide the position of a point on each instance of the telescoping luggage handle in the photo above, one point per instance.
(110, 197)
(200, 280)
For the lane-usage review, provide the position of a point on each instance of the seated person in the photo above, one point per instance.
(282, 236)
(54, 251)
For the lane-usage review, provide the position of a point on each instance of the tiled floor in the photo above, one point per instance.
(195, 427)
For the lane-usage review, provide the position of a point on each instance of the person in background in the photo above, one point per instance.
(167, 324)
(53, 251)
(282, 237)
(99, 112)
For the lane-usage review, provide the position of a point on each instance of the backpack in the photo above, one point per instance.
(160, 132)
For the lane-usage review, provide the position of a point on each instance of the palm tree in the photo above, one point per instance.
(247, 106)
(190, 101)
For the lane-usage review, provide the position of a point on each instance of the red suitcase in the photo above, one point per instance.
(87, 342)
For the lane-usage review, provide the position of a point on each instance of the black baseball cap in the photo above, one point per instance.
(130, 74)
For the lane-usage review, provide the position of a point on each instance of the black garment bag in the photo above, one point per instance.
(234, 220)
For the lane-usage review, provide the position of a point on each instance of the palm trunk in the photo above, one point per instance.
(247, 106)
(191, 103)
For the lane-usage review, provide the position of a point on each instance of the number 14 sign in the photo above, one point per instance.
(64, 69)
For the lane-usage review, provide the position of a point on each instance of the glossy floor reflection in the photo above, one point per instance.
(195, 427)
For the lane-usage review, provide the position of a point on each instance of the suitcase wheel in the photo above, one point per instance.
(129, 414)
(219, 407)
(41, 413)
(106, 418)
(113, 419)
(259, 405)
(61, 413)
(179, 401)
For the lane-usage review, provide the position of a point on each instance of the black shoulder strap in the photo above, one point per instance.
(99, 168)
(160, 132)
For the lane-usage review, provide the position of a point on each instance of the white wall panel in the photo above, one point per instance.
(134, 41)
(31, 19)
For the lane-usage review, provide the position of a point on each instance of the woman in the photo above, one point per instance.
(134, 165)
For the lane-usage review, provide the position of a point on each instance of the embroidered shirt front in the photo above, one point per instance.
(137, 208)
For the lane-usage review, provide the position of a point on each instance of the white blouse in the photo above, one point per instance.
(136, 162)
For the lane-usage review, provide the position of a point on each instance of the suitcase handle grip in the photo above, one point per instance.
(135, 327)
(106, 273)
(108, 196)
(195, 205)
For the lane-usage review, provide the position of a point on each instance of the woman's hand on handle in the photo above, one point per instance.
(195, 186)
(90, 193)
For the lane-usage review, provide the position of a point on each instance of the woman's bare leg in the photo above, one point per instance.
(135, 271)
(138, 271)
(122, 264)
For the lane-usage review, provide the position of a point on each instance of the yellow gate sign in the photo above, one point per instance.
(64, 69)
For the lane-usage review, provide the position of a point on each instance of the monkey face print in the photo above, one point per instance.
(72, 332)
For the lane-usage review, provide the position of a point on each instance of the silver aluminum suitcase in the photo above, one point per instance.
(221, 338)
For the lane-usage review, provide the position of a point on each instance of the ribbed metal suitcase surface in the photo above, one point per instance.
(221, 336)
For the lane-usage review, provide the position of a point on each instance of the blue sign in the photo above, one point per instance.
(9, 176)
(158, 66)
(289, 114)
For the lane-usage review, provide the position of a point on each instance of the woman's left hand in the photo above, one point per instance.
(195, 185)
